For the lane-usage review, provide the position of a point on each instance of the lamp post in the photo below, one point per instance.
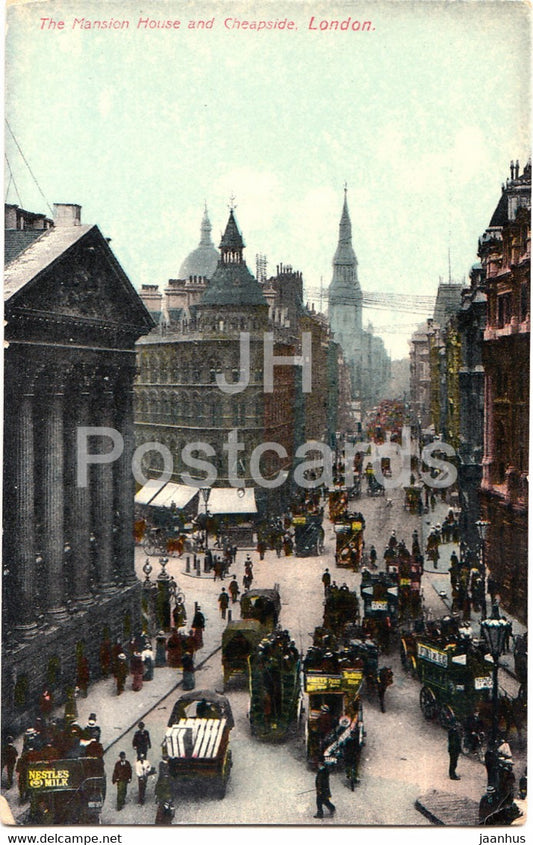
(205, 496)
(482, 528)
(493, 631)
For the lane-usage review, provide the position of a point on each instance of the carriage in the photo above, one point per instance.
(406, 569)
(65, 792)
(374, 488)
(379, 591)
(413, 498)
(341, 608)
(349, 541)
(455, 676)
(263, 605)
(240, 638)
(333, 682)
(338, 503)
(275, 687)
(196, 744)
(308, 534)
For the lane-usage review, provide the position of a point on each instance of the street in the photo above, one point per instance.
(404, 756)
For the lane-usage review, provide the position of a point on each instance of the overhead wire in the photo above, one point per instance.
(28, 166)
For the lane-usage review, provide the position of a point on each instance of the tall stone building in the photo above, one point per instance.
(505, 256)
(471, 319)
(72, 319)
(178, 398)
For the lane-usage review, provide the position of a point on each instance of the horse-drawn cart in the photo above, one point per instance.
(197, 745)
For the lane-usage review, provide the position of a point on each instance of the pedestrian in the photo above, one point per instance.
(46, 703)
(188, 671)
(71, 708)
(141, 740)
(223, 602)
(9, 759)
(488, 806)
(21, 769)
(106, 658)
(121, 673)
(92, 730)
(492, 765)
(454, 749)
(233, 588)
(373, 557)
(198, 627)
(122, 775)
(351, 752)
(143, 769)
(323, 792)
(492, 588)
(326, 579)
(137, 671)
(83, 675)
(179, 614)
(148, 662)
(161, 649)
(246, 582)
(174, 649)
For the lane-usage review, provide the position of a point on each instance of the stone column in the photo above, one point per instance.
(124, 484)
(23, 546)
(78, 530)
(102, 495)
(53, 507)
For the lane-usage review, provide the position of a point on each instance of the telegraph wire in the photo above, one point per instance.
(29, 168)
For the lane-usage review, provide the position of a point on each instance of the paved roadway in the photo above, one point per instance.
(404, 756)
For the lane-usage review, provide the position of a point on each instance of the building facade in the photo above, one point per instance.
(505, 256)
(72, 319)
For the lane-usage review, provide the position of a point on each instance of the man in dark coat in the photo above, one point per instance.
(122, 775)
(323, 792)
(9, 758)
(454, 749)
(223, 601)
(141, 741)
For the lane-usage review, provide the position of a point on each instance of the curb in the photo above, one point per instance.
(153, 707)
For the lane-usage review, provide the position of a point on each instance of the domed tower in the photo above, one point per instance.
(202, 261)
(345, 299)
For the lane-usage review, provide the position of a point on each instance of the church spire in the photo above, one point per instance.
(344, 287)
(205, 231)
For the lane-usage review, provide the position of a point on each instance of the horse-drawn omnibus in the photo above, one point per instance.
(341, 608)
(308, 534)
(349, 541)
(240, 639)
(263, 605)
(455, 676)
(333, 683)
(275, 687)
(379, 591)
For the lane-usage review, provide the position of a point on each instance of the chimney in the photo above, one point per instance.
(67, 214)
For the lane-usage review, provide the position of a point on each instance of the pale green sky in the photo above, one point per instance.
(420, 116)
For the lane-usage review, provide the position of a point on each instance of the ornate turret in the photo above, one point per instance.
(232, 283)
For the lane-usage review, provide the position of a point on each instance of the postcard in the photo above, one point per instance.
(266, 417)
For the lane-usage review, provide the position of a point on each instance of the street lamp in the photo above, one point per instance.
(494, 630)
(205, 496)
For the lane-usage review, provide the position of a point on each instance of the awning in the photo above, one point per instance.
(179, 494)
(147, 493)
(229, 500)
